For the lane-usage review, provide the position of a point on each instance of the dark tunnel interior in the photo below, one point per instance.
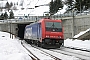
(21, 28)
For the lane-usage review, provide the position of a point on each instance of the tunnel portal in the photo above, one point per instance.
(21, 28)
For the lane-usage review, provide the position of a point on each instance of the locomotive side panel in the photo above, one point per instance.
(33, 31)
(27, 32)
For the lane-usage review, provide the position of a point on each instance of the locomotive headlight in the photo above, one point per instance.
(59, 36)
(47, 36)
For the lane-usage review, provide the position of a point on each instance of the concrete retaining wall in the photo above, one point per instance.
(74, 25)
(8, 27)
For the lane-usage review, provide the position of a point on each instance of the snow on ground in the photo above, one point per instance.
(77, 44)
(11, 49)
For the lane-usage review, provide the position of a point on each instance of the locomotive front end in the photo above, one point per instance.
(53, 33)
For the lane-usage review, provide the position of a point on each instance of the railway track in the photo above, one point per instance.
(43, 53)
(82, 55)
(32, 55)
(46, 53)
(57, 54)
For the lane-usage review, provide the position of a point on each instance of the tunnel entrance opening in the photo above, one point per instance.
(21, 28)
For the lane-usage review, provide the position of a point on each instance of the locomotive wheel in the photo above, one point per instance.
(40, 44)
(36, 43)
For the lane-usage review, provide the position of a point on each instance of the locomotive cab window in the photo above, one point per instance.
(53, 26)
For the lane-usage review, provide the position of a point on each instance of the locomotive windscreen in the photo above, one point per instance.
(53, 26)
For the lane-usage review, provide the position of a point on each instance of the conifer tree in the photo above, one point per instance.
(55, 6)
(5, 15)
(82, 4)
(2, 16)
(11, 15)
(7, 6)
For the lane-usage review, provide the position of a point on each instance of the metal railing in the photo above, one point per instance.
(37, 18)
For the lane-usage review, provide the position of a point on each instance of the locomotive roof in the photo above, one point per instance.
(44, 19)
(32, 24)
(48, 19)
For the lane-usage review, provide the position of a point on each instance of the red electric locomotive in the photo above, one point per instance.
(44, 33)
